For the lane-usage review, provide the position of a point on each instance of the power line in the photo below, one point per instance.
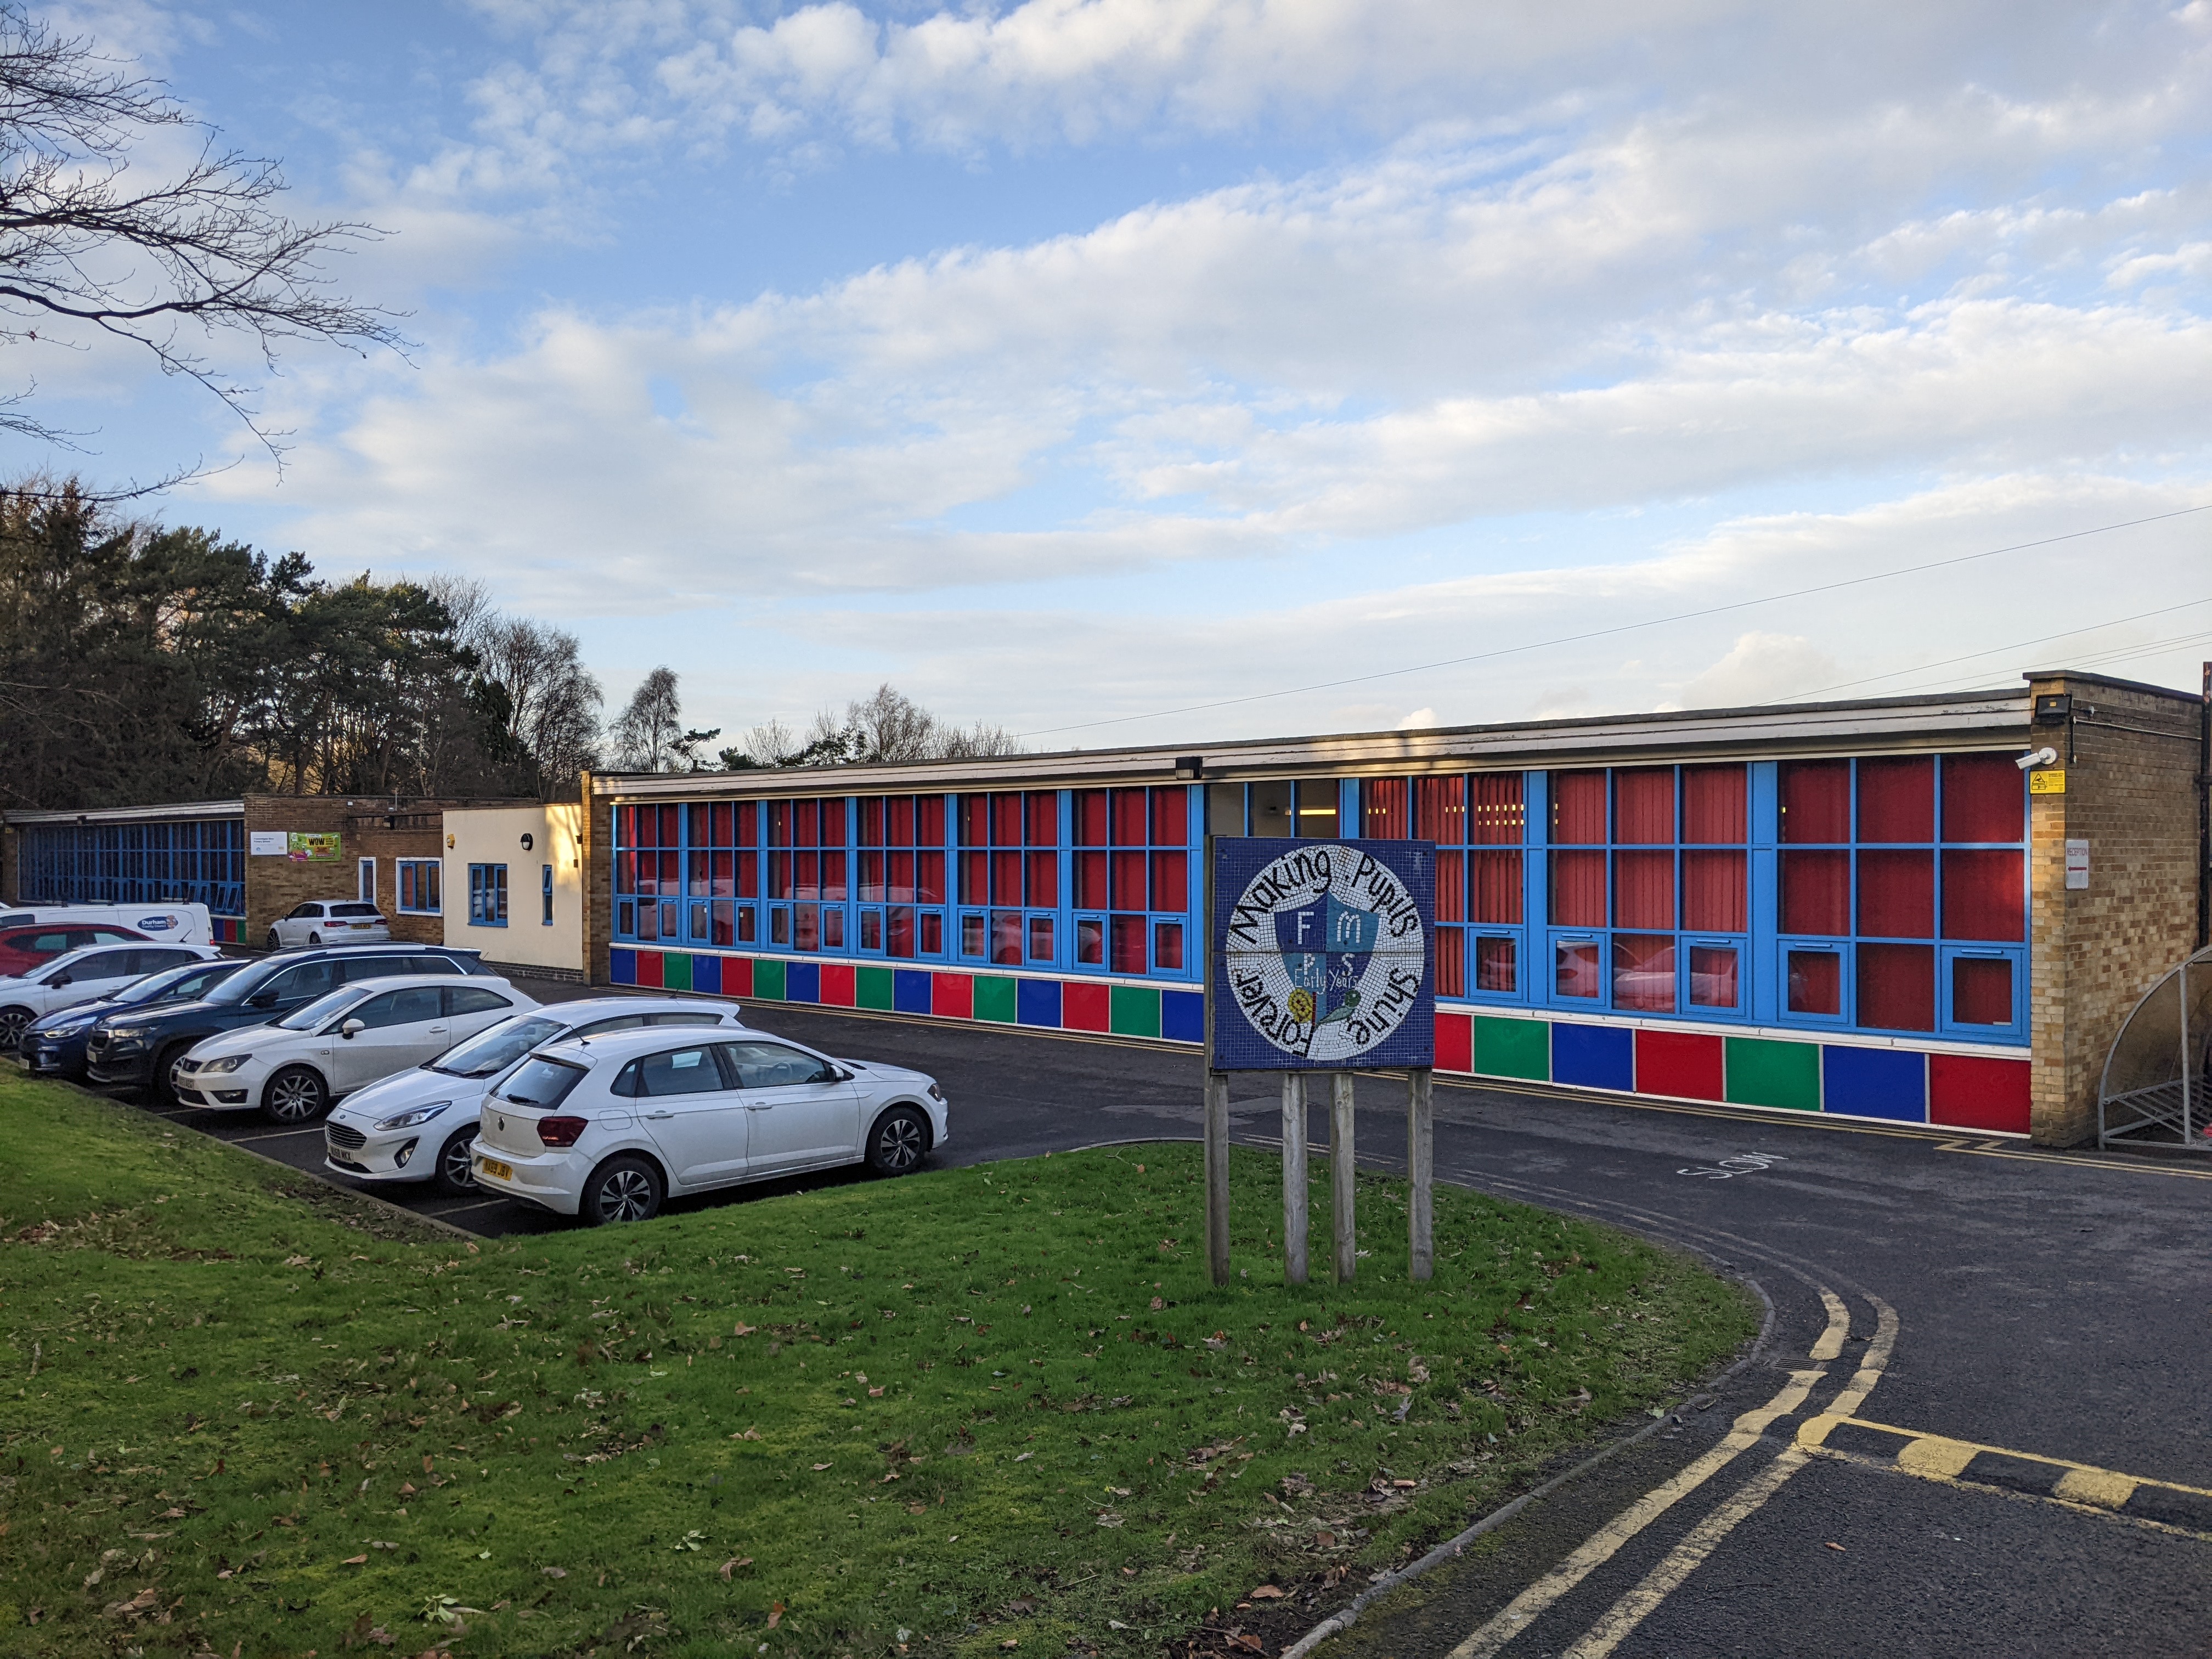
(2095, 658)
(1623, 627)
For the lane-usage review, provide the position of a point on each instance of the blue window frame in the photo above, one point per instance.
(545, 902)
(487, 896)
(192, 861)
(420, 884)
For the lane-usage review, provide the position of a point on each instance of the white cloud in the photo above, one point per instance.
(1760, 668)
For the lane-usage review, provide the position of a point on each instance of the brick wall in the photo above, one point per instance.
(599, 837)
(2131, 756)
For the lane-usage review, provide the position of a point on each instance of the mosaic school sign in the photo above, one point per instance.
(1321, 958)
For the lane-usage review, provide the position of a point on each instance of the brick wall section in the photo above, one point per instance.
(598, 881)
(274, 885)
(2130, 794)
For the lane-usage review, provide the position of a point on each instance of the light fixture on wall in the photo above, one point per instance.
(528, 841)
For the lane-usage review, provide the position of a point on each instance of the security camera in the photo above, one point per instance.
(2035, 757)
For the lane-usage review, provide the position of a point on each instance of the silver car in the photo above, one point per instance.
(329, 922)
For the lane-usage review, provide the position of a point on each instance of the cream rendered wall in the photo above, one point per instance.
(493, 834)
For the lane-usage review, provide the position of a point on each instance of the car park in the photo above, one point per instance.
(85, 975)
(416, 1125)
(329, 922)
(139, 1048)
(54, 1045)
(610, 1128)
(23, 949)
(293, 1067)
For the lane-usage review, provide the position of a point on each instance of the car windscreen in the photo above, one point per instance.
(499, 1047)
(540, 1082)
(243, 984)
(155, 986)
(325, 1006)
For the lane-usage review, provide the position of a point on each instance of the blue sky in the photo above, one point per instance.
(1063, 360)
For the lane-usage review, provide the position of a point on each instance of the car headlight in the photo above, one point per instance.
(228, 1063)
(409, 1119)
(128, 1033)
(936, 1094)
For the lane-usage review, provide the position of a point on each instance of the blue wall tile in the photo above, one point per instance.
(1593, 1056)
(911, 990)
(706, 975)
(1182, 1016)
(1038, 1002)
(802, 981)
(1874, 1083)
(621, 966)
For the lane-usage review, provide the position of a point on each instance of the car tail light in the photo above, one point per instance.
(561, 1131)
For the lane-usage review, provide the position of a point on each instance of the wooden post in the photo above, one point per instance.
(1217, 1174)
(1420, 1167)
(1294, 1177)
(1340, 1167)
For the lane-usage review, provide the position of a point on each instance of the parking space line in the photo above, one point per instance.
(277, 1134)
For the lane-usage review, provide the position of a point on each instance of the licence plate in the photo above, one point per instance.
(492, 1166)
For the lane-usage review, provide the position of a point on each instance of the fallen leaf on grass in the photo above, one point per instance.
(732, 1564)
(1266, 1592)
(356, 1560)
(555, 1572)
(1011, 1642)
(1837, 1548)
(137, 1607)
(776, 1615)
(818, 1468)
(748, 1434)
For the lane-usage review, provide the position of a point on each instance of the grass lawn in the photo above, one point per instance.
(959, 1411)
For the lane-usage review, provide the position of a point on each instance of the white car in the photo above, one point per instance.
(329, 922)
(84, 976)
(608, 1127)
(385, 1132)
(342, 1040)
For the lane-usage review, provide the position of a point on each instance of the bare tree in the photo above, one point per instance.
(977, 742)
(169, 262)
(891, 726)
(647, 731)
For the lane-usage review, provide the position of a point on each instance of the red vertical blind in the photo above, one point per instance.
(1440, 811)
(1897, 987)
(1578, 889)
(1983, 894)
(1981, 989)
(1383, 814)
(1983, 798)
(1897, 799)
(1498, 886)
(1816, 892)
(1713, 891)
(1644, 805)
(1643, 890)
(1715, 803)
(1579, 808)
(1496, 809)
(1897, 894)
(1170, 816)
(1816, 801)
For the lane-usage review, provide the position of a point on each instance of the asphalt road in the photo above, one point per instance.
(2021, 1341)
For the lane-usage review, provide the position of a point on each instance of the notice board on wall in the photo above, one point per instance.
(1322, 954)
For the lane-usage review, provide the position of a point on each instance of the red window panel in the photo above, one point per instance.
(932, 933)
(1897, 987)
(1006, 820)
(971, 935)
(1498, 886)
(1497, 807)
(1643, 973)
(647, 822)
(1170, 881)
(694, 874)
(1713, 976)
(1984, 799)
(1042, 881)
(929, 821)
(806, 823)
(625, 872)
(806, 927)
(833, 929)
(1041, 938)
(1451, 887)
(1643, 890)
(1897, 799)
(929, 879)
(899, 878)
(725, 924)
(898, 932)
(749, 875)
(1006, 937)
(1981, 989)
(1089, 817)
(1440, 811)
(1816, 982)
(748, 823)
(975, 821)
(1897, 894)
(832, 878)
(1713, 898)
(668, 873)
(1041, 808)
(626, 826)
(1578, 889)
(1816, 893)
(1576, 970)
(872, 930)
(1451, 962)
(1984, 897)
(1127, 935)
(725, 824)
(1816, 801)
(1644, 805)
(1128, 881)
(1129, 817)
(1715, 800)
(1005, 877)
(974, 878)
(832, 820)
(778, 875)
(1498, 965)
(779, 823)
(747, 921)
(1167, 944)
(701, 826)
(1171, 816)
(871, 877)
(898, 821)
(1090, 880)
(725, 879)
(1090, 941)
(871, 821)
(806, 875)
(668, 826)
(1383, 809)
(1579, 808)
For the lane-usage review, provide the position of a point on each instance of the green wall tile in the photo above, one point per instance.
(676, 971)
(994, 997)
(1133, 1010)
(871, 988)
(1765, 1072)
(768, 979)
(1513, 1047)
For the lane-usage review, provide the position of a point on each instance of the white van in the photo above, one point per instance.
(173, 924)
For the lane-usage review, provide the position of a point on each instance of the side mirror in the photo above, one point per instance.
(351, 1029)
(262, 1000)
(58, 981)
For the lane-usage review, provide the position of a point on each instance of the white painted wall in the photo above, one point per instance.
(493, 834)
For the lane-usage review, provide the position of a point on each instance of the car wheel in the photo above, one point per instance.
(296, 1095)
(274, 942)
(455, 1173)
(621, 1189)
(14, 1021)
(159, 1090)
(314, 938)
(899, 1142)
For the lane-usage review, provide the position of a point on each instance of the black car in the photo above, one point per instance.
(137, 1048)
(54, 1046)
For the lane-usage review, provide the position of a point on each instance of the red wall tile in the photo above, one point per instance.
(1688, 1065)
(838, 984)
(737, 976)
(952, 995)
(648, 968)
(1455, 1042)
(1084, 1006)
(1968, 1091)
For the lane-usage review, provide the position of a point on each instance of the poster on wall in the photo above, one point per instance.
(268, 844)
(1322, 958)
(312, 846)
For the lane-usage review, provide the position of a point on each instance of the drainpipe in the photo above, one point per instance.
(2204, 813)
